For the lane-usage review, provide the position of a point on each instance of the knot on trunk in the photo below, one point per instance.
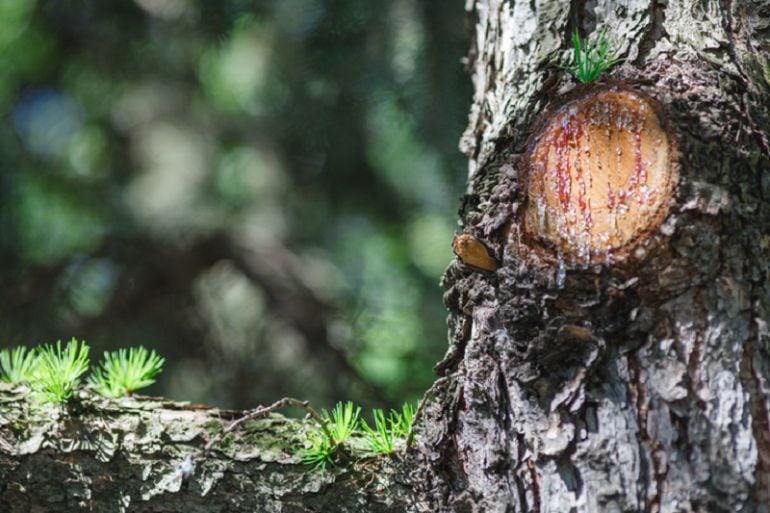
(599, 175)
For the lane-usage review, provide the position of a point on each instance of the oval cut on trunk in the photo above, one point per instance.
(600, 175)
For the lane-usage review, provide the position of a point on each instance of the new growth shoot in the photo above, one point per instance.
(342, 421)
(58, 371)
(322, 444)
(319, 451)
(592, 57)
(17, 365)
(380, 438)
(125, 371)
(386, 431)
(54, 372)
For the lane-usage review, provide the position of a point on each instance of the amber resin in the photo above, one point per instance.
(600, 174)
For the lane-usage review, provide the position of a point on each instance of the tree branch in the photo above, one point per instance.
(144, 454)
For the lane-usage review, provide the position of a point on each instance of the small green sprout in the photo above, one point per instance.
(320, 451)
(17, 365)
(125, 371)
(591, 59)
(342, 421)
(323, 444)
(59, 370)
(381, 439)
(401, 422)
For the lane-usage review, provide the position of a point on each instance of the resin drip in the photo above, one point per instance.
(599, 175)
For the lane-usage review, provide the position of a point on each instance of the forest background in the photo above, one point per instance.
(264, 192)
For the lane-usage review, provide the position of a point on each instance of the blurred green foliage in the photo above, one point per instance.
(264, 192)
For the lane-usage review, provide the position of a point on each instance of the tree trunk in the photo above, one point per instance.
(589, 369)
(628, 378)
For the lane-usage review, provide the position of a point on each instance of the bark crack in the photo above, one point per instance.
(640, 400)
(760, 423)
(536, 500)
(522, 449)
(752, 379)
(655, 30)
(730, 29)
(694, 360)
(505, 412)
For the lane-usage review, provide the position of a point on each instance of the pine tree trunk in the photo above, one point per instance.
(586, 372)
(635, 378)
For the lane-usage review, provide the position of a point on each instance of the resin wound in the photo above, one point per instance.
(600, 175)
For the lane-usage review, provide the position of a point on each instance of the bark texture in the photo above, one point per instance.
(639, 385)
(134, 455)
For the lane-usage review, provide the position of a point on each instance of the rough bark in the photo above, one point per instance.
(629, 386)
(632, 385)
(133, 454)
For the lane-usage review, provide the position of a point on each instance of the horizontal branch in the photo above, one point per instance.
(151, 454)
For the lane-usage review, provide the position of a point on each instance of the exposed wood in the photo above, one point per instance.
(599, 175)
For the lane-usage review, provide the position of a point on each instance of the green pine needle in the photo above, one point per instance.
(342, 421)
(125, 371)
(322, 444)
(58, 370)
(17, 365)
(591, 59)
(401, 422)
(381, 439)
(320, 450)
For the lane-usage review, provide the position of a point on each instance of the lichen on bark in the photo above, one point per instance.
(129, 455)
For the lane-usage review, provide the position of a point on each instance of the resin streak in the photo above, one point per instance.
(599, 175)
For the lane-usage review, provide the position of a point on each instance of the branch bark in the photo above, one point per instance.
(146, 454)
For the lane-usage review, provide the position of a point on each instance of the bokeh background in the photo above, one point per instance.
(263, 191)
